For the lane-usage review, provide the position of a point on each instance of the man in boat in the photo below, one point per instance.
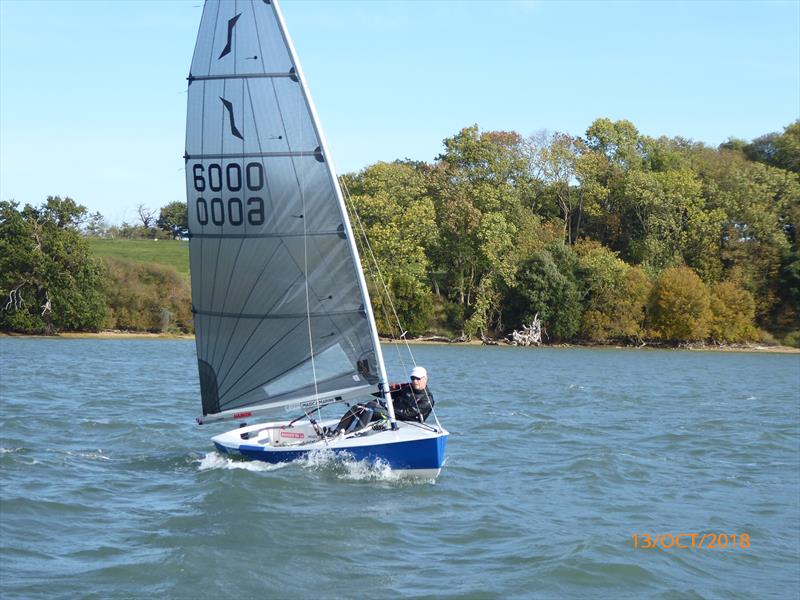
(412, 402)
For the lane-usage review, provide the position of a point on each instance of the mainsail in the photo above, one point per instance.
(281, 313)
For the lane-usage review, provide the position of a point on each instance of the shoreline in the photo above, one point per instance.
(697, 347)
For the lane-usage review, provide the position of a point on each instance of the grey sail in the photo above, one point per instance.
(280, 307)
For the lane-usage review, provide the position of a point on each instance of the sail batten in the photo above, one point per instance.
(288, 154)
(288, 74)
(277, 235)
(279, 303)
(268, 316)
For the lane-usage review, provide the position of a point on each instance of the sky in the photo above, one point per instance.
(93, 93)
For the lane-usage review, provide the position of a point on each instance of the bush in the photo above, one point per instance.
(733, 313)
(543, 288)
(147, 297)
(49, 281)
(679, 306)
(615, 294)
(792, 339)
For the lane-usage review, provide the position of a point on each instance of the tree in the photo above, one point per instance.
(558, 161)
(680, 306)
(780, 150)
(479, 186)
(787, 148)
(733, 312)
(174, 219)
(614, 294)
(95, 225)
(390, 202)
(759, 207)
(48, 279)
(146, 215)
(612, 150)
(542, 287)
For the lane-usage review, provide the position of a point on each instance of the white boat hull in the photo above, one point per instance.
(414, 448)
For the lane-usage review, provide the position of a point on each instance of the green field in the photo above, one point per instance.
(173, 253)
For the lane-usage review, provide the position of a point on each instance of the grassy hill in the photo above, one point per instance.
(173, 253)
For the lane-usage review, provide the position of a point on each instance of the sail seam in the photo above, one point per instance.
(337, 395)
(236, 326)
(284, 154)
(241, 76)
(258, 360)
(213, 313)
(262, 235)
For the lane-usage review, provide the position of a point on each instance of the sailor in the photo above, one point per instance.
(414, 401)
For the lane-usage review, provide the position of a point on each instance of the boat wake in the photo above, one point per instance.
(214, 460)
(347, 468)
(340, 465)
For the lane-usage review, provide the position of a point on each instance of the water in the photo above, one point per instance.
(556, 458)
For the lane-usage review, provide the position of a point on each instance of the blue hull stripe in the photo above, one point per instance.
(417, 454)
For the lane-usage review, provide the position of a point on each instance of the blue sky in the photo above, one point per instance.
(93, 93)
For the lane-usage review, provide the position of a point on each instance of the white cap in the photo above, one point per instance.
(419, 372)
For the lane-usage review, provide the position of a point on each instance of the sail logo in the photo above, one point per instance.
(315, 403)
(244, 205)
(229, 107)
(231, 25)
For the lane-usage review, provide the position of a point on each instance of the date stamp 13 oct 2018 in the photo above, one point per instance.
(687, 541)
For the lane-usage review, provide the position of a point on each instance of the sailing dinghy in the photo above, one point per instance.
(283, 321)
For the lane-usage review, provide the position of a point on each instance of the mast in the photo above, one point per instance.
(383, 380)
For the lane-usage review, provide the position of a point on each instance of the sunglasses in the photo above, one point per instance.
(416, 378)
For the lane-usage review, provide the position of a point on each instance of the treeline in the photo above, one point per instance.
(612, 236)
(171, 223)
(50, 281)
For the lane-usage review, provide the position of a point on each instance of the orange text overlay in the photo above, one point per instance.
(685, 541)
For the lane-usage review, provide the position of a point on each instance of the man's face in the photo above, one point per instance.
(419, 384)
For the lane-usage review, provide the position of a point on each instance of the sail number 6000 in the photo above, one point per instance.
(236, 209)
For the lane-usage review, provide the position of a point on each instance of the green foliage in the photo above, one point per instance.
(757, 208)
(732, 313)
(556, 161)
(145, 297)
(543, 288)
(480, 189)
(95, 225)
(49, 281)
(792, 339)
(679, 307)
(391, 205)
(174, 219)
(614, 294)
(787, 148)
(781, 150)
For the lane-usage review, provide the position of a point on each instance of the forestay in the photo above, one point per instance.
(281, 313)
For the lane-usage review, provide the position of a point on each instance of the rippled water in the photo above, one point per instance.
(556, 458)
